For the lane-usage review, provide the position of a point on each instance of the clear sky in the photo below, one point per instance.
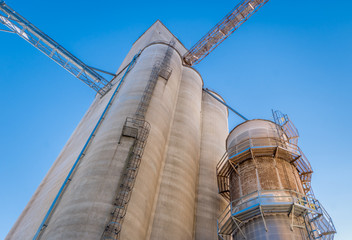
(294, 56)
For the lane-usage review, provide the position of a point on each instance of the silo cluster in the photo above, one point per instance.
(143, 163)
(148, 171)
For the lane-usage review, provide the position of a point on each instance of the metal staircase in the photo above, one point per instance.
(283, 121)
(319, 225)
(317, 222)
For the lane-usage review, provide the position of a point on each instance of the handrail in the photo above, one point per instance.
(278, 145)
(292, 194)
(300, 162)
(296, 198)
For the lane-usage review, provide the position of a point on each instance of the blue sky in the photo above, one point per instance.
(294, 56)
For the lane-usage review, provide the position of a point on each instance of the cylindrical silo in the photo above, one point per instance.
(264, 185)
(214, 133)
(84, 209)
(175, 207)
(160, 116)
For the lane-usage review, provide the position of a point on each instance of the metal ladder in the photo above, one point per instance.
(70, 175)
(138, 129)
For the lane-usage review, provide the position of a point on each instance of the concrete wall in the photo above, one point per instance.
(33, 214)
(160, 115)
(175, 207)
(169, 200)
(214, 133)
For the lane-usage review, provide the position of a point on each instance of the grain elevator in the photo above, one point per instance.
(157, 144)
(153, 158)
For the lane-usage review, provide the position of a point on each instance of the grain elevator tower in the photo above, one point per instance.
(147, 160)
(148, 168)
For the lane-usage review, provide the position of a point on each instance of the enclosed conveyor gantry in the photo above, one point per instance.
(26, 30)
(233, 20)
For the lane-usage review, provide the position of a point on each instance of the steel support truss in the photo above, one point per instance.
(233, 20)
(26, 30)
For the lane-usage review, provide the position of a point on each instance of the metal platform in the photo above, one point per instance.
(262, 147)
(259, 203)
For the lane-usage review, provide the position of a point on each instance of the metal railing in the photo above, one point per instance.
(259, 147)
(274, 196)
(287, 126)
(265, 200)
(321, 225)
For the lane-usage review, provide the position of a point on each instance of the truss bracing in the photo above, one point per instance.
(26, 30)
(233, 20)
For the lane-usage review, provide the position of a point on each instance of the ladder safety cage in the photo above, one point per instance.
(26, 30)
(44, 224)
(138, 129)
(319, 225)
(287, 126)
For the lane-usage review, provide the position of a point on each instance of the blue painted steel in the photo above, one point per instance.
(257, 147)
(219, 100)
(68, 178)
(246, 209)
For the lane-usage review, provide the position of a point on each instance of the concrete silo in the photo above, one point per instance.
(147, 170)
(144, 161)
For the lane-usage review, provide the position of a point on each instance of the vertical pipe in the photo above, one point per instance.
(44, 223)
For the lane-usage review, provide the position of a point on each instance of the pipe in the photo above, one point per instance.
(233, 110)
(81, 155)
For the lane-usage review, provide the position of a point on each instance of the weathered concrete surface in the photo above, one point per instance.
(214, 133)
(31, 217)
(160, 116)
(187, 138)
(175, 207)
